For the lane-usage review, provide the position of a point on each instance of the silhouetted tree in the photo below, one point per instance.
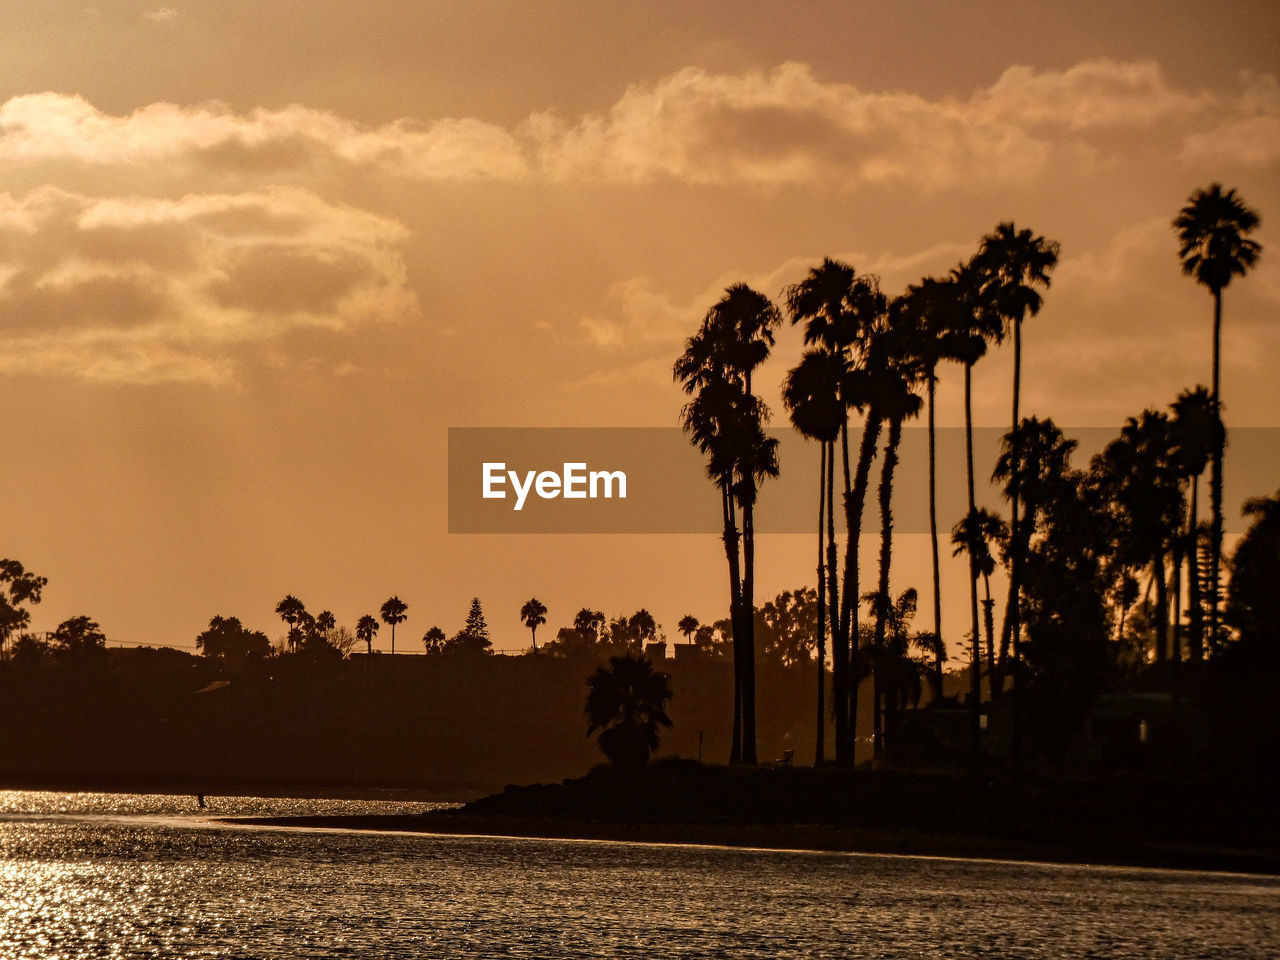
(473, 638)
(1012, 264)
(687, 626)
(394, 611)
(1253, 606)
(533, 614)
(811, 393)
(433, 641)
(1194, 429)
(974, 536)
(841, 312)
(291, 611)
(627, 702)
(325, 622)
(18, 588)
(1213, 246)
(227, 639)
(78, 640)
(725, 420)
(366, 629)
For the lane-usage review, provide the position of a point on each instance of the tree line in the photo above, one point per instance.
(1076, 542)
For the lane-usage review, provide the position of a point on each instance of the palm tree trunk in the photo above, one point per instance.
(833, 585)
(975, 664)
(1015, 566)
(989, 627)
(1215, 479)
(931, 380)
(839, 634)
(730, 538)
(818, 758)
(882, 585)
(749, 622)
(854, 504)
(1162, 608)
(1194, 609)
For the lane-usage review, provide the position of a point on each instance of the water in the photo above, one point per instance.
(94, 875)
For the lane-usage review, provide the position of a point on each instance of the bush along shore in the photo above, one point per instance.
(1192, 825)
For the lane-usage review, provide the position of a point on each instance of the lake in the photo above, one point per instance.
(117, 875)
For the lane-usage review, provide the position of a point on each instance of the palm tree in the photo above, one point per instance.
(394, 611)
(627, 701)
(1213, 247)
(896, 368)
(725, 420)
(1194, 428)
(976, 325)
(366, 628)
(688, 626)
(1140, 474)
(841, 311)
(1013, 263)
(325, 622)
(973, 536)
(291, 611)
(941, 321)
(533, 614)
(433, 641)
(812, 395)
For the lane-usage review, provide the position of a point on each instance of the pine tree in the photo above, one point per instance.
(474, 635)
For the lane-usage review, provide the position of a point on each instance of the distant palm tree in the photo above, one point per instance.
(534, 615)
(433, 641)
(393, 612)
(973, 536)
(627, 701)
(1013, 263)
(1194, 428)
(325, 622)
(688, 626)
(1213, 247)
(366, 628)
(291, 611)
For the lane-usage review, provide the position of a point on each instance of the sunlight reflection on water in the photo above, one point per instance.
(131, 876)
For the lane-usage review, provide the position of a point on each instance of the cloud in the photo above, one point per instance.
(784, 127)
(162, 15)
(139, 289)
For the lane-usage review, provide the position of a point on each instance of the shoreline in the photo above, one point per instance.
(800, 838)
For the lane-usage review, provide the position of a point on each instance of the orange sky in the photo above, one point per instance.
(254, 263)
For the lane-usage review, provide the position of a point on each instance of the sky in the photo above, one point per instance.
(257, 258)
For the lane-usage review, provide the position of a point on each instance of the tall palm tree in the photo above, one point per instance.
(366, 629)
(1013, 263)
(942, 324)
(976, 326)
(725, 420)
(1214, 247)
(533, 614)
(291, 611)
(896, 368)
(812, 395)
(394, 611)
(1194, 428)
(841, 311)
